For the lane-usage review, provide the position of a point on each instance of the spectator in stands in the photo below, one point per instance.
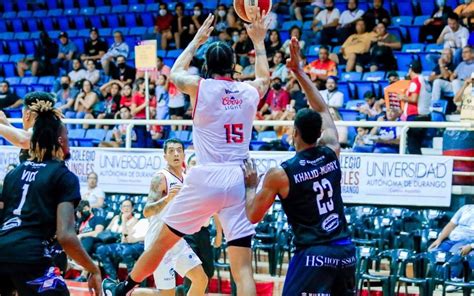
(161, 68)
(392, 77)
(126, 99)
(381, 51)
(138, 106)
(464, 94)
(325, 23)
(342, 131)
(197, 19)
(454, 82)
(40, 64)
(65, 97)
(162, 97)
(356, 44)
(376, 14)
(444, 67)
(86, 102)
(92, 74)
(387, 138)
(220, 18)
(248, 73)
(119, 132)
(242, 48)
(176, 103)
(8, 99)
(466, 13)
(454, 36)
(294, 32)
(297, 8)
(347, 20)
(273, 44)
(118, 48)
(111, 99)
(163, 25)
(298, 98)
(67, 52)
(278, 68)
(132, 234)
(418, 108)
(331, 95)
(95, 48)
(276, 101)
(320, 69)
(272, 19)
(372, 107)
(457, 237)
(93, 193)
(121, 71)
(77, 73)
(363, 142)
(434, 25)
(234, 21)
(180, 26)
(89, 226)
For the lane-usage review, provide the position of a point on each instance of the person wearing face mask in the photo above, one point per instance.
(65, 96)
(163, 26)
(347, 20)
(123, 72)
(331, 95)
(197, 19)
(276, 101)
(435, 24)
(88, 226)
(465, 10)
(118, 48)
(220, 19)
(40, 63)
(325, 23)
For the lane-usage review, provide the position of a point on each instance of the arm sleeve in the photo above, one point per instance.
(457, 216)
(68, 189)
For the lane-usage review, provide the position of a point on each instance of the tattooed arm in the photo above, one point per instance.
(156, 202)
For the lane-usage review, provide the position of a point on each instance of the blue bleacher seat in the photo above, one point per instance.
(3, 25)
(9, 15)
(137, 8)
(63, 23)
(84, 3)
(286, 26)
(29, 80)
(183, 135)
(83, 33)
(40, 87)
(354, 104)
(161, 53)
(32, 25)
(413, 47)
(96, 21)
(152, 7)
(171, 6)
(15, 58)
(434, 48)
(438, 116)
(336, 49)
(47, 24)
(20, 90)
(102, 10)
(112, 21)
(22, 35)
(13, 80)
(402, 20)
(96, 134)
(344, 88)
(40, 13)
(351, 76)
(397, 32)
(25, 14)
(427, 7)
(420, 20)
(8, 6)
(105, 32)
(119, 9)
(4, 58)
(71, 11)
(130, 20)
(427, 64)
(440, 106)
(284, 35)
(79, 41)
(87, 11)
(79, 22)
(48, 80)
(9, 69)
(13, 46)
(364, 87)
(72, 33)
(349, 115)
(15, 113)
(147, 19)
(55, 12)
(115, 2)
(35, 35)
(68, 4)
(174, 53)
(267, 136)
(137, 31)
(54, 34)
(403, 60)
(404, 7)
(373, 76)
(17, 25)
(6, 35)
(169, 61)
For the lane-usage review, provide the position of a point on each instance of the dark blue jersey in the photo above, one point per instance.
(314, 204)
(31, 195)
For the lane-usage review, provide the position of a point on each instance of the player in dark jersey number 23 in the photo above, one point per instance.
(308, 186)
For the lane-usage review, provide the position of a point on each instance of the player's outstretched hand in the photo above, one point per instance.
(205, 31)
(257, 29)
(293, 63)
(250, 173)
(95, 284)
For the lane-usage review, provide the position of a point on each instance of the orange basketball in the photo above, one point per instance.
(243, 7)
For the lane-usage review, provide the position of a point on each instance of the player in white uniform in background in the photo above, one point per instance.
(181, 258)
(223, 112)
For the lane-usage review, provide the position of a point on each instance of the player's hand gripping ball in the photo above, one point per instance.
(245, 8)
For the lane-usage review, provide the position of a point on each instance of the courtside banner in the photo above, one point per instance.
(389, 179)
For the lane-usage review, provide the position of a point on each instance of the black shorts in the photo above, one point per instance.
(363, 60)
(31, 280)
(322, 270)
(177, 111)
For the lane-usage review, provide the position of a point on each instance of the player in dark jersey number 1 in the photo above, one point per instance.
(308, 186)
(38, 205)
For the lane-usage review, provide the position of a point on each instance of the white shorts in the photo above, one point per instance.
(208, 190)
(181, 258)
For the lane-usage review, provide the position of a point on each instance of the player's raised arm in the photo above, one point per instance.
(329, 132)
(185, 82)
(257, 31)
(18, 137)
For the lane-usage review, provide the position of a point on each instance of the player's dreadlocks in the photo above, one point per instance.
(46, 131)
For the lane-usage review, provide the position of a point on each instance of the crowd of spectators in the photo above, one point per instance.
(102, 82)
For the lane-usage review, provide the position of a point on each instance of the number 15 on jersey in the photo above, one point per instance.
(234, 133)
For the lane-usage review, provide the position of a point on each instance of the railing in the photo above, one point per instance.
(406, 125)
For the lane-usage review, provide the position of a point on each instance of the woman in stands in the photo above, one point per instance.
(273, 44)
(381, 50)
(435, 24)
(129, 246)
(126, 99)
(86, 102)
(111, 98)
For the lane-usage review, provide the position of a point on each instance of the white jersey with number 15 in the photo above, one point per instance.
(223, 118)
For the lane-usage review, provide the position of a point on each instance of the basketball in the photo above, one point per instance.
(243, 7)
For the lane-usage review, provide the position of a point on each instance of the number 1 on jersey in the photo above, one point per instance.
(17, 211)
(234, 133)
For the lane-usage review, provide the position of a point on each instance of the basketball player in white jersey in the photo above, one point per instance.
(181, 258)
(223, 113)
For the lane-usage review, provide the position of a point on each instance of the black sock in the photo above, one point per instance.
(129, 284)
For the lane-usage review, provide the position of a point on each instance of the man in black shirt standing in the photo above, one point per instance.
(94, 48)
(309, 187)
(38, 200)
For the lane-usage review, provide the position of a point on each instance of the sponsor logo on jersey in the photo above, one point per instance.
(315, 162)
(331, 222)
(229, 92)
(231, 103)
